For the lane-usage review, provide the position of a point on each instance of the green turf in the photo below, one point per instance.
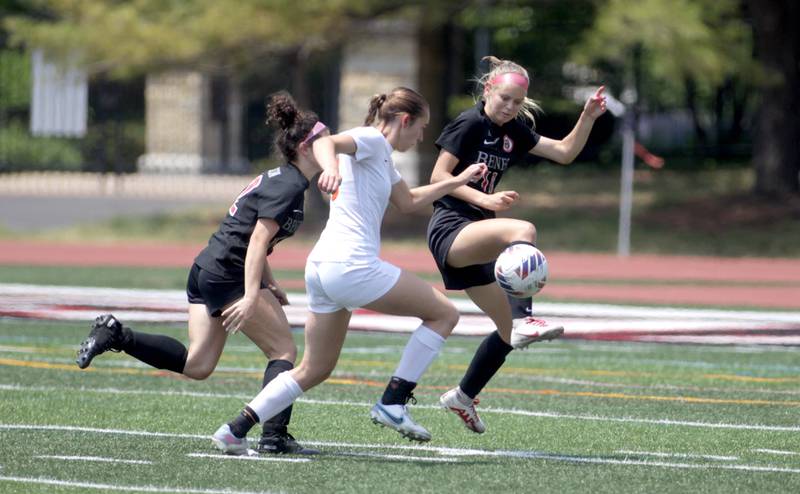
(564, 417)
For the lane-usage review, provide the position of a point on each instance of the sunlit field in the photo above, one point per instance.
(566, 416)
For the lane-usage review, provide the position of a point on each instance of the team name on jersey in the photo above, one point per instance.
(493, 161)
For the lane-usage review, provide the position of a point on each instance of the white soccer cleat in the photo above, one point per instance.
(529, 330)
(225, 441)
(398, 418)
(462, 405)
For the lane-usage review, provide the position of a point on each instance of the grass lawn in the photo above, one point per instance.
(563, 417)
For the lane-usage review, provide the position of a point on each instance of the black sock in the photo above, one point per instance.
(520, 307)
(397, 392)
(278, 423)
(160, 351)
(242, 424)
(487, 361)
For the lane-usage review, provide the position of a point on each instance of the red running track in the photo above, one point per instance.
(648, 279)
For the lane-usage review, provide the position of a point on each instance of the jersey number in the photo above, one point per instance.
(255, 183)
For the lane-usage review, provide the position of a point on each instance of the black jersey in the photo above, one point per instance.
(473, 138)
(277, 194)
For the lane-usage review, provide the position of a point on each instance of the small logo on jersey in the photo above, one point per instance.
(508, 144)
(274, 172)
(487, 142)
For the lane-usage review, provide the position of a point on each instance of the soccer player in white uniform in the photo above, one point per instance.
(344, 271)
(464, 235)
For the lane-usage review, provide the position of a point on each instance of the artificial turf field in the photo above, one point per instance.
(566, 416)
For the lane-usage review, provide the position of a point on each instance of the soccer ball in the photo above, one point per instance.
(521, 270)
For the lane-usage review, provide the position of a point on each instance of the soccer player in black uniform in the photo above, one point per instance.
(230, 285)
(464, 235)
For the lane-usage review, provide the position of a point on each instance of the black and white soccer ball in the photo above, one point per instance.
(521, 270)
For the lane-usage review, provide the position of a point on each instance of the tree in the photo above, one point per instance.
(775, 156)
(681, 53)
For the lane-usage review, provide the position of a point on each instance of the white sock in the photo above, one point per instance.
(276, 396)
(422, 348)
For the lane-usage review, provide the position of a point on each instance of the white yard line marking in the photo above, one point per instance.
(95, 458)
(246, 457)
(607, 461)
(677, 455)
(777, 452)
(440, 450)
(399, 457)
(124, 488)
(502, 411)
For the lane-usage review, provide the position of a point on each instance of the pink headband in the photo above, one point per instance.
(510, 78)
(318, 128)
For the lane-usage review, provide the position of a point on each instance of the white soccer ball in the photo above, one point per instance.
(521, 270)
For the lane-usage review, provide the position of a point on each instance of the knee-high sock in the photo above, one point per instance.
(276, 396)
(279, 422)
(160, 351)
(421, 350)
(487, 361)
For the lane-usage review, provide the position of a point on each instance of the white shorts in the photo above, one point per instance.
(332, 286)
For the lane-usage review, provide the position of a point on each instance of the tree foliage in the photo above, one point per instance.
(134, 36)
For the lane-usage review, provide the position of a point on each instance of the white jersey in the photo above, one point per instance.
(353, 230)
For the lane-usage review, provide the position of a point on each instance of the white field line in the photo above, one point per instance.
(94, 458)
(171, 299)
(457, 452)
(607, 461)
(501, 411)
(777, 452)
(677, 455)
(123, 488)
(399, 457)
(250, 458)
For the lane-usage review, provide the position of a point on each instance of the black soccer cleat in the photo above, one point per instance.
(106, 335)
(283, 444)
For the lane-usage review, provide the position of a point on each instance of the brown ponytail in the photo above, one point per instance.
(375, 104)
(400, 100)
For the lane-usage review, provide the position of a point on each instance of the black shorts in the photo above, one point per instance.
(442, 231)
(211, 290)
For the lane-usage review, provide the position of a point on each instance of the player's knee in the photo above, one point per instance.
(526, 231)
(198, 372)
(309, 376)
(445, 320)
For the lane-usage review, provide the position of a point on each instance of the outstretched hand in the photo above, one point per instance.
(472, 173)
(596, 104)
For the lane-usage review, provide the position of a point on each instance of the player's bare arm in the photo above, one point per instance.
(565, 150)
(240, 311)
(498, 201)
(409, 200)
(325, 151)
